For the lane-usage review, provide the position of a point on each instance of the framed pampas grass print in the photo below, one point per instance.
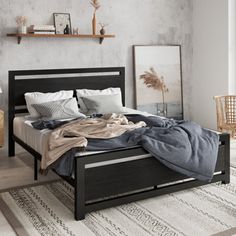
(158, 80)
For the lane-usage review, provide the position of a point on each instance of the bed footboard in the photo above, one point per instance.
(108, 184)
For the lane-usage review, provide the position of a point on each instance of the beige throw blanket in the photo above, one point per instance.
(74, 134)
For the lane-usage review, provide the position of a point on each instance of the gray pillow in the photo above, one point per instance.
(61, 109)
(103, 104)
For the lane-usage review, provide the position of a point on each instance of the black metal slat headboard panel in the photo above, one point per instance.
(22, 81)
(62, 79)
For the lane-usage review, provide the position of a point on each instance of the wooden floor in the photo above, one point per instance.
(18, 171)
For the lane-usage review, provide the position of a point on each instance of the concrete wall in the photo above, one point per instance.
(133, 22)
(210, 59)
(232, 47)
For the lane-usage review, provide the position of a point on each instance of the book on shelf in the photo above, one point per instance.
(42, 32)
(42, 27)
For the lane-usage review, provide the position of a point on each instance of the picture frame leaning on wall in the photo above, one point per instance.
(158, 80)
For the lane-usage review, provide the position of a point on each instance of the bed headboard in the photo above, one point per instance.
(22, 81)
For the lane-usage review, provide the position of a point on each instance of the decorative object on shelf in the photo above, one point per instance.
(61, 21)
(158, 68)
(41, 29)
(102, 31)
(96, 5)
(67, 30)
(76, 31)
(152, 80)
(21, 23)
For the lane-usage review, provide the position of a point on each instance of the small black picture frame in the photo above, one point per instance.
(61, 20)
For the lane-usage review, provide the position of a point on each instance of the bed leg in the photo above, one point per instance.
(11, 110)
(79, 189)
(35, 168)
(226, 142)
(11, 147)
(226, 181)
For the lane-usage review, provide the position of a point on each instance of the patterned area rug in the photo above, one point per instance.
(48, 210)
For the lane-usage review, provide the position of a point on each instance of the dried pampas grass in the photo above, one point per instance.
(96, 4)
(21, 20)
(152, 80)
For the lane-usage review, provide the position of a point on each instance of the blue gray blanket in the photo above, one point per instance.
(183, 146)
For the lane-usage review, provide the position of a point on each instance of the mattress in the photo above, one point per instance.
(23, 130)
(36, 138)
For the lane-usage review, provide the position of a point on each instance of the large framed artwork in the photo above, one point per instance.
(158, 80)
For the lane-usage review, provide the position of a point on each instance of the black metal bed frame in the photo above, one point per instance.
(109, 184)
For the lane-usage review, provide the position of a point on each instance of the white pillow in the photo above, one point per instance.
(91, 92)
(102, 104)
(37, 98)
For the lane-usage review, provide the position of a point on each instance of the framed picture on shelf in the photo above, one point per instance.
(62, 23)
(158, 80)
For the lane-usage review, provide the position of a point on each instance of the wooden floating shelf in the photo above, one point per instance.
(98, 36)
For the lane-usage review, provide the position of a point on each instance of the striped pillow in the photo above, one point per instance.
(38, 97)
(61, 109)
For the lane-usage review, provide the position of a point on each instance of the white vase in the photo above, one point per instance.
(22, 29)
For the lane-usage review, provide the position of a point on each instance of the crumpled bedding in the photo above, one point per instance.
(75, 134)
(183, 146)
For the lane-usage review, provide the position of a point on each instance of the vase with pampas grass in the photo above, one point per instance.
(152, 80)
(21, 23)
(96, 5)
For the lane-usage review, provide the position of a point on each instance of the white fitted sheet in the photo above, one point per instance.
(25, 132)
(35, 138)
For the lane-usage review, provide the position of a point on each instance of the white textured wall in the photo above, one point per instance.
(132, 21)
(210, 58)
(232, 47)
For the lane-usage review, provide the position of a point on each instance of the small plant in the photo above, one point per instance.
(103, 25)
(21, 20)
(96, 5)
(152, 80)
